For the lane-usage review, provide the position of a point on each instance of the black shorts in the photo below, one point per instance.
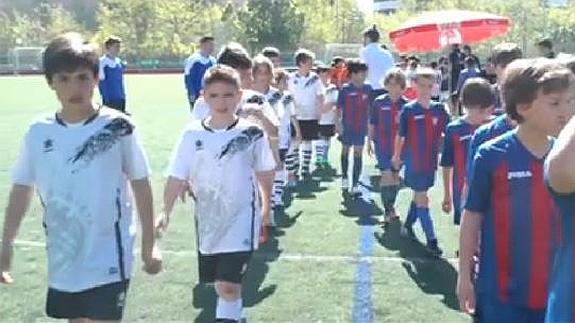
(309, 129)
(326, 130)
(102, 303)
(229, 267)
(119, 105)
(283, 153)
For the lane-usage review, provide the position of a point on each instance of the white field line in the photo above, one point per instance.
(283, 257)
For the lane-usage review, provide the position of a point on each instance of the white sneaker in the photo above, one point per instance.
(355, 191)
(344, 184)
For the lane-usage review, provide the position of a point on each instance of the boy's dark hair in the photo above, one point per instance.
(235, 56)
(477, 92)
(524, 79)
(372, 33)
(68, 53)
(505, 53)
(355, 66)
(112, 40)
(546, 42)
(433, 65)
(396, 75)
(206, 39)
(270, 52)
(467, 47)
(302, 55)
(469, 61)
(425, 73)
(222, 74)
(336, 60)
(261, 61)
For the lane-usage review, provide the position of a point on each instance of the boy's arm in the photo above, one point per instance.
(447, 175)
(560, 161)
(370, 136)
(468, 244)
(297, 128)
(265, 184)
(447, 161)
(264, 167)
(18, 203)
(145, 206)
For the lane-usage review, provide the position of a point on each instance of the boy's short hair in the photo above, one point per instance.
(280, 74)
(505, 53)
(545, 42)
(433, 65)
(525, 78)
(270, 52)
(302, 55)
(477, 92)
(336, 60)
(355, 65)
(425, 73)
(372, 33)
(222, 74)
(260, 61)
(469, 61)
(112, 40)
(395, 74)
(206, 39)
(235, 56)
(467, 47)
(68, 53)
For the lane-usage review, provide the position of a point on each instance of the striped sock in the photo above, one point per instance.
(279, 182)
(326, 149)
(292, 161)
(306, 156)
(319, 151)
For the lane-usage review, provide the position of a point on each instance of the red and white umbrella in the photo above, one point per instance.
(433, 30)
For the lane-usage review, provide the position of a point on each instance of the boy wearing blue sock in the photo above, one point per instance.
(421, 125)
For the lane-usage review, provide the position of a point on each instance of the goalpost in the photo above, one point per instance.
(24, 59)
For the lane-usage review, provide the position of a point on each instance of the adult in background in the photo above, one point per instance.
(467, 52)
(379, 60)
(455, 60)
(111, 74)
(195, 68)
(545, 47)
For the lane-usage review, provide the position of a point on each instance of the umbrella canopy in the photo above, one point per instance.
(433, 30)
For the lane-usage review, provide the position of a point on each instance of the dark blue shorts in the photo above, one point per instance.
(349, 138)
(419, 182)
(491, 310)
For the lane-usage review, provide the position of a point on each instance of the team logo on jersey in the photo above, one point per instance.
(48, 145)
(199, 145)
(519, 174)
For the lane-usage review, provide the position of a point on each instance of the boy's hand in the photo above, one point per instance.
(161, 225)
(186, 191)
(396, 162)
(446, 205)
(266, 212)
(466, 296)
(152, 261)
(5, 264)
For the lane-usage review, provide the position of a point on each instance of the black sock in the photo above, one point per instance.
(356, 169)
(344, 164)
(385, 197)
(394, 190)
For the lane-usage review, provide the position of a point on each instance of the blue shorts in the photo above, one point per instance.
(349, 138)
(491, 310)
(419, 182)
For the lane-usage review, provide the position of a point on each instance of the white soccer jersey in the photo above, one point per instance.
(328, 118)
(305, 90)
(283, 113)
(80, 172)
(250, 98)
(221, 166)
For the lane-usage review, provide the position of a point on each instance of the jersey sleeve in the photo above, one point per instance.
(180, 162)
(373, 115)
(479, 184)
(319, 88)
(134, 161)
(101, 72)
(270, 114)
(403, 118)
(473, 146)
(23, 170)
(447, 155)
(263, 156)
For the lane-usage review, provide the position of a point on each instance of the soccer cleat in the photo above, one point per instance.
(433, 247)
(344, 184)
(407, 232)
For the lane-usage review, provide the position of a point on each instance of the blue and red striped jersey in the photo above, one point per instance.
(518, 222)
(355, 103)
(384, 117)
(422, 129)
(561, 301)
(486, 132)
(455, 147)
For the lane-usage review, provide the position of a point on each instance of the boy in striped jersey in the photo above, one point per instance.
(382, 131)
(326, 120)
(508, 207)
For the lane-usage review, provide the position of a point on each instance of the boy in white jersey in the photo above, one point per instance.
(79, 160)
(263, 78)
(327, 119)
(224, 158)
(308, 93)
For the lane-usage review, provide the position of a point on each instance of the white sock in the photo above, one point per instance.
(229, 310)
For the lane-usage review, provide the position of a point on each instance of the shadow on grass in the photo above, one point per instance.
(432, 275)
(328, 174)
(285, 221)
(306, 189)
(253, 289)
(364, 210)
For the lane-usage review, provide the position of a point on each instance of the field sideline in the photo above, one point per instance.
(328, 262)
